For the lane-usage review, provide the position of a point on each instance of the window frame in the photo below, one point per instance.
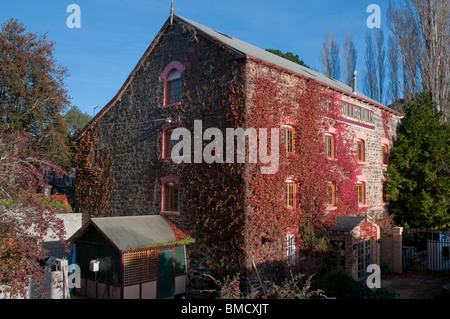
(171, 181)
(177, 83)
(289, 143)
(333, 194)
(168, 71)
(384, 154)
(166, 140)
(287, 194)
(330, 151)
(291, 249)
(361, 184)
(361, 154)
(97, 159)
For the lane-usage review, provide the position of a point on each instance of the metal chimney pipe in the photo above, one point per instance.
(355, 83)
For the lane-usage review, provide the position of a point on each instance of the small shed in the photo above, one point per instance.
(139, 257)
(357, 240)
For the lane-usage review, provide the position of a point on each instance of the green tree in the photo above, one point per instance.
(419, 170)
(32, 91)
(289, 56)
(77, 120)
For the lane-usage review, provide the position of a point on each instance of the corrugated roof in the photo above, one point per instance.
(251, 50)
(347, 223)
(132, 232)
(241, 48)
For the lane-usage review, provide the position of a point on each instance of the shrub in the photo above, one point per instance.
(340, 285)
(297, 287)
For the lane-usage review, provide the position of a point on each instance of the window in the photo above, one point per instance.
(172, 83)
(170, 139)
(329, 146)
(384, 154)
(169, 194)
(384, 193)
(290, 249)
(97, 157)
(331, 192)
(171, 197)
(289, 138)
(290, 194)
(361, 187)
(361, 152)
(173, 87)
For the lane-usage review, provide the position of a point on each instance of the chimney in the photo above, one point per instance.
(355, 83)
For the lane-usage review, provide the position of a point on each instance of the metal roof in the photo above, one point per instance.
(347, 223)
(132, 232)
(251, 50)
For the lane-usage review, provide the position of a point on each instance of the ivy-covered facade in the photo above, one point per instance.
(330, 156)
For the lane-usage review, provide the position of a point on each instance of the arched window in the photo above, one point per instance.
(173, 87)
(172, 83)
(330, 145)
(289, 194)
(361, 187)
(169, 139)
(169, 204)
(331, 194)
(361, 151)
(289, 138)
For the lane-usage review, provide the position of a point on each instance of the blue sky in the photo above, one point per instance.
(114, 34)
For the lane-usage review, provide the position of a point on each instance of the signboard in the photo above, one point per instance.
(354, 114)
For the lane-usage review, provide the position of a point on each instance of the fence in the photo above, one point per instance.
(426, 250)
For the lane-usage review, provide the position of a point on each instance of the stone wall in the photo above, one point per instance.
(132, 130)
(72, 222)
(391, 250)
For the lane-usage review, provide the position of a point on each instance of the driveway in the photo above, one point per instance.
(416, 285)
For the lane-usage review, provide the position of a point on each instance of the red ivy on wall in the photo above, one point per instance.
(303, 106)
(386, 118)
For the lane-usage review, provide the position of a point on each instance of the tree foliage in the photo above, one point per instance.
(421, 36)
(330, 57)
(77, 120)
(32, 91)
(33, 138)
(419, 170)
(24, 220)
(289, 56)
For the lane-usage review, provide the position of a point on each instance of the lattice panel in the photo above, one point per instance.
(180, 261)
(140, 266)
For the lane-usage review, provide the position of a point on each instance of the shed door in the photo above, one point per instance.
(166, 280)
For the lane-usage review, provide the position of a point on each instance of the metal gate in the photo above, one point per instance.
(426, 250)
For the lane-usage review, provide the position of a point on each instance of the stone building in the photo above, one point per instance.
(191, 72)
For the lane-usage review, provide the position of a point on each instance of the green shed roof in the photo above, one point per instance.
(131, 232)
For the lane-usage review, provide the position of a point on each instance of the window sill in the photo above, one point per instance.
(363, 206)
(171, 104)
(334, 159)
(384, 165)
(331, 208)
(361, 163)
(169, 213)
